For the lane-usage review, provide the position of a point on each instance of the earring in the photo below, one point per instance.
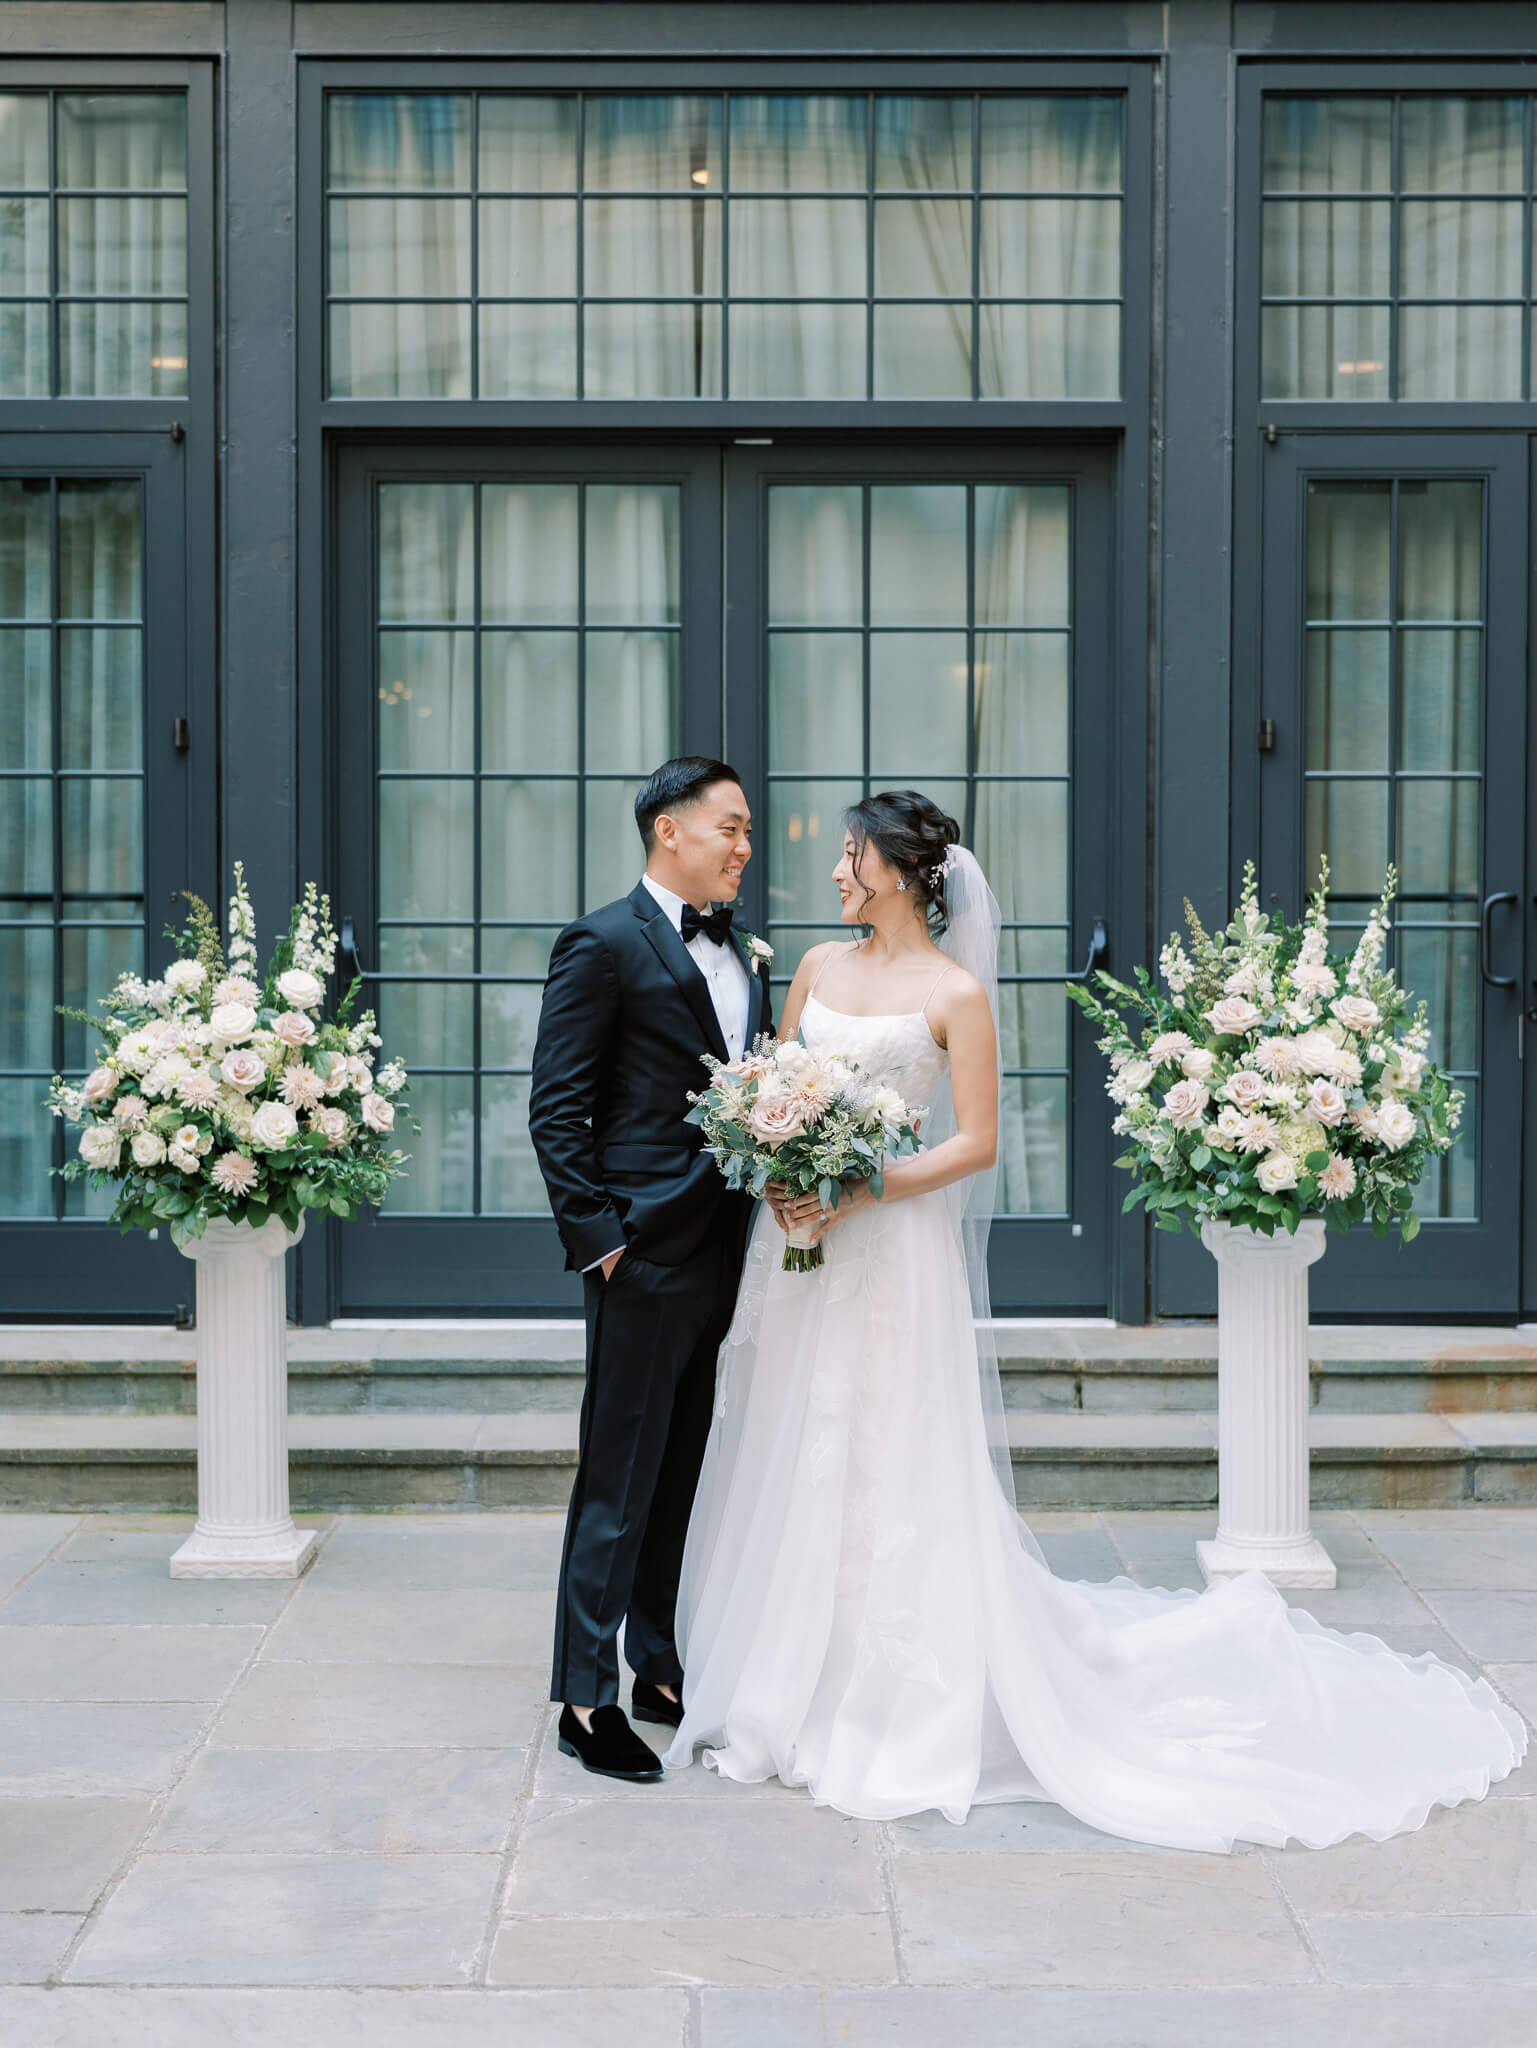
(902, 882)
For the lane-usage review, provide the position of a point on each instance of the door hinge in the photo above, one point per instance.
(1267, 735)
(181, 737)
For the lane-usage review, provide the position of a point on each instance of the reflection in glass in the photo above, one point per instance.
(1033, 1016)
(1348, 532)
(122, 245)
(26, 1140)
(805, 841)
(1050, 352)
(1324, 351)
(509, 1012)
(528, 351)
(1042, 143)
(117, 349)
(816, 717)
(1451, 143)
(528, 553)
(510, 1181)
(1022, 698)
(426, 847)
(427, 1024)
(441, 1176)
(25, 574)
(26, 733)
(797, 351)
(1327, 248)
(923, 144)
(783, 142)
(26, 837)
(1460, 248)
(923, 351)
(1438, 837)
(632, 700)
(24, 245)
(1327, 144)
(528, 850)
(427, 552)
(816, 555)
(1440, 549)
(1347, 699)
(24, 351)
(101, 692)
(1348, 821)
(527, 144)
(633, 554)
(1441, 966)
(1459, 352)
(406, 142)
(650, 143)
(1439, 688)
(399, 248)
(24, 141)
(128, 140)
(528, 710)
(918, 705)
(99, 550)
(426, 694)
(652, 351)
(918, 554)
(101, 824)
(1054, 248)
(1023, 560)
(1032, 1146)
(399, 351)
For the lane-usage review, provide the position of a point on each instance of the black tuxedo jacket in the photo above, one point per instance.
(625, 1019)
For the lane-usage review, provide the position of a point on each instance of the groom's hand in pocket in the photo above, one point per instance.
(611, 1262)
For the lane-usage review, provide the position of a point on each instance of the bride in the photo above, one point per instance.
(862, 1611)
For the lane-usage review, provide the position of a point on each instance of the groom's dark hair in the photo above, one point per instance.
(674, 786)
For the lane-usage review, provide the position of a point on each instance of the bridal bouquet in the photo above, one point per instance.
(810, 1120)
(1276, 1079)
(222, 1091)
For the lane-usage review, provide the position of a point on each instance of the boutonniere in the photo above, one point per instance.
(758, 951)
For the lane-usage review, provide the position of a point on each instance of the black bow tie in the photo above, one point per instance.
(715, 924)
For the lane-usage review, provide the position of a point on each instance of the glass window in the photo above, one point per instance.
(93, 245)
(71, 801)
(776, 245)
(935, 612)
(1394, 708)
(529, 655)
(1396, 255)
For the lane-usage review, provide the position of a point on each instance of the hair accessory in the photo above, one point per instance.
(942, 868)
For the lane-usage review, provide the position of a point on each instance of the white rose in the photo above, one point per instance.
(378, 1114)
(244, 1069)
(300, 989)
(1245, 1089)
(332, 1124)
(1198, 1063)
(99, 1084)
(272, 1125)
(1275, 1173)
(101, 1146)
(232, 1021)
(1233, 1015)
(1325, 1103)
(1356, 1013)
(186, 974)
(336, 1080)
(1185, 1104)
(1316, 1052)
(1130, 1079)
(360, 1074)
(1395, 1124)
(148, 1148)
(292, 1028)
(1229, 1126)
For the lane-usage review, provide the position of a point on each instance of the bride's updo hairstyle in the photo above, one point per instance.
(911, 834)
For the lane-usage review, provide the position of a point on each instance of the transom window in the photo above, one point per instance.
(823, 246)
(1397, 247)
(93, 245)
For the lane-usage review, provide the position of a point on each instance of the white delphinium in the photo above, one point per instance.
(241, 950)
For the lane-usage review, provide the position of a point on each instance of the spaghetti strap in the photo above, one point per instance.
(832, 952)
(933, 985)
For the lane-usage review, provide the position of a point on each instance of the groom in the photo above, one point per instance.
(637, 992)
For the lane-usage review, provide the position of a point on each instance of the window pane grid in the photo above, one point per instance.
(754, 288)
(57, 337)
(1453, 320)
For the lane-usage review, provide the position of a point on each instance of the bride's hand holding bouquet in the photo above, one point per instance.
(809, 1126)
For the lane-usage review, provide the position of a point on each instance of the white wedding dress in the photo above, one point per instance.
(862, 1611)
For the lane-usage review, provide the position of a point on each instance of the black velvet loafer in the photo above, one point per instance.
(610, 1748)
(650, 1703)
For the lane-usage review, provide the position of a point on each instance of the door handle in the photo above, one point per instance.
(1494, 980)
(1099, 947)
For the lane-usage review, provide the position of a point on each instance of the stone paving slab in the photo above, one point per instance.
(361, 1789)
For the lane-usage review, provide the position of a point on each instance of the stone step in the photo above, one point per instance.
(479, 1368)
(432, 1459)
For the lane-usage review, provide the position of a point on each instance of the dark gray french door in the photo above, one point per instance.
(95, 826)
(1394, 671)
(523, 633)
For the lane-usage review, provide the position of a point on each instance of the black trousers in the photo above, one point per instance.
(652, 1337)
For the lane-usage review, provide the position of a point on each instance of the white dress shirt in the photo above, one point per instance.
(726, 977)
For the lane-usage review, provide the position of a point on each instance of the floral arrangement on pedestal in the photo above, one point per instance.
(1275, 1080)
(222, 1091)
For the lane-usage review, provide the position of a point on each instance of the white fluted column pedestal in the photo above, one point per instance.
(244, 1528)
(1262, 1407)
